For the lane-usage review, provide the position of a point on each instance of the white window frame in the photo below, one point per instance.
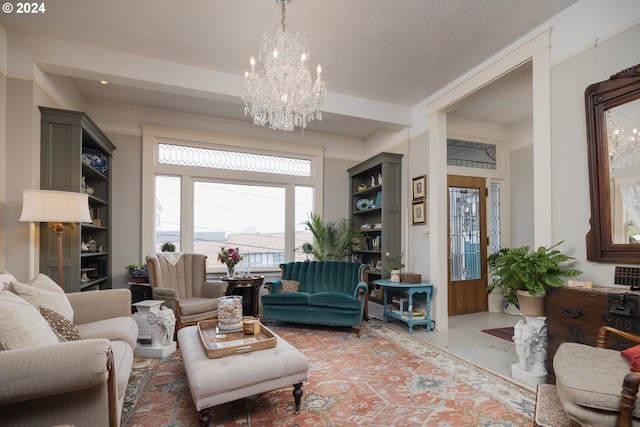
(152, 136)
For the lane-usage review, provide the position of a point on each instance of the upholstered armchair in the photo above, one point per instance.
(598, 386)
(179, 279)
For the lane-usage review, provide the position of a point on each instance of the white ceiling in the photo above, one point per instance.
(395, 53)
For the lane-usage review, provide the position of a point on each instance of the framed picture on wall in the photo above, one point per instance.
(419, 187)
(419, 212)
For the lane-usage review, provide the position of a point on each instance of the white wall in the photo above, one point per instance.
(416, 237)
(336, 188)
(521, 197)
(127, 205)
(571, 198)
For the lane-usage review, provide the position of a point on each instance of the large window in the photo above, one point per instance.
(248, 217)
(208, 195)
(167, 211)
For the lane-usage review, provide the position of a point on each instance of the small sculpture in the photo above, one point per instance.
(163, 326)
(157, 325)
(530, 340)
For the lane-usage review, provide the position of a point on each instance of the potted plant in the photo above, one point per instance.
(524, 275)
(395, 268)
(168, 247)
(137, 273)
(332, 241)
(307, 248)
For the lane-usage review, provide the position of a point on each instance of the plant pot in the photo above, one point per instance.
(532, 305)
(395, 276)
(510, 309)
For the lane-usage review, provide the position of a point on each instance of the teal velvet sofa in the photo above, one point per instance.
(329, 293)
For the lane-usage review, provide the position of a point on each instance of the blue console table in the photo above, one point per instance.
(409, 289)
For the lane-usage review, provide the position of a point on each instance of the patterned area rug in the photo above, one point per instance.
(504, 333)
(382, 378)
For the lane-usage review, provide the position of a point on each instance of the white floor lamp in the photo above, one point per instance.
(56, 208)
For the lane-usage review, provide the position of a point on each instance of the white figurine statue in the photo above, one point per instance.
(530, 339)
(163, 326)
(155, 323)
(521, 333)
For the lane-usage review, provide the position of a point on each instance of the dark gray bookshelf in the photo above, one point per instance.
(64, 136)
(379, 218)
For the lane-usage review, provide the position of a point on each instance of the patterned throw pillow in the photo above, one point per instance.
(633, 356)
(21, 325)
(289, 286)
(42, 291)
(64, 329)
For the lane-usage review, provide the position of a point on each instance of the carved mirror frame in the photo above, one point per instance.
(619, 89)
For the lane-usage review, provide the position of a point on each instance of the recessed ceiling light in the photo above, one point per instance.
(104, 82)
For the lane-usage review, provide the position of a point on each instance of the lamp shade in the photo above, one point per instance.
(54, 206)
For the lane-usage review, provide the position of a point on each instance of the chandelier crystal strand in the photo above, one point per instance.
(283, 94)
(624, 150)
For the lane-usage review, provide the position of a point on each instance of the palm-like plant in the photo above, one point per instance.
(331, 240)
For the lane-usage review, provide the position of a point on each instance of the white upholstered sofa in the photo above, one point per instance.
(54, 374)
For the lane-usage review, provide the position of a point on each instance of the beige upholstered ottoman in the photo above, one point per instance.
(216, 381)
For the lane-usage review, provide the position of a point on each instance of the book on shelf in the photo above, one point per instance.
(400, 304)
(417, 315)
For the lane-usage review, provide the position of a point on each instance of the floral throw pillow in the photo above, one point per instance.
(289, 286)
(633, 356)
(63, 328)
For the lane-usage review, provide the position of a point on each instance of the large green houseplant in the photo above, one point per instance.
(332, 241)
(527, 271)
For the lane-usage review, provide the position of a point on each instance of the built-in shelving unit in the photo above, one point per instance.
(374, 208)
(65, 137)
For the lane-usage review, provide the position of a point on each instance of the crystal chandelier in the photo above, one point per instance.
(283, 94)
(624, 150)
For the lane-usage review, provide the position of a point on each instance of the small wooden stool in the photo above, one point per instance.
(216, 381)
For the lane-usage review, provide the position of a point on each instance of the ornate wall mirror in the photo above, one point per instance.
(613, 126)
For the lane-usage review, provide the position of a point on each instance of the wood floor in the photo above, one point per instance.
(465, 339)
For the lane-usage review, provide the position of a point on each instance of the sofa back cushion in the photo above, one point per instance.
(324, 276)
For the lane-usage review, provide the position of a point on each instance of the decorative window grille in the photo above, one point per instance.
(183, 155)
(464, 233)
(471, 154)
(496, 230)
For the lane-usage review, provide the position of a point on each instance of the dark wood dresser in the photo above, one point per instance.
(576, 314)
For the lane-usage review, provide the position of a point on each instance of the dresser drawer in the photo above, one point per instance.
(576, 315)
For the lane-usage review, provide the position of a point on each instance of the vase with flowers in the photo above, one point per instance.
(230, 257)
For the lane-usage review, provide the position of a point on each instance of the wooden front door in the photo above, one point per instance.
(467, 245)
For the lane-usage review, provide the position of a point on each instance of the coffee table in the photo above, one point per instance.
(216, 381)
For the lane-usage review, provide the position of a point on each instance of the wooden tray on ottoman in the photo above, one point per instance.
(220, 344)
